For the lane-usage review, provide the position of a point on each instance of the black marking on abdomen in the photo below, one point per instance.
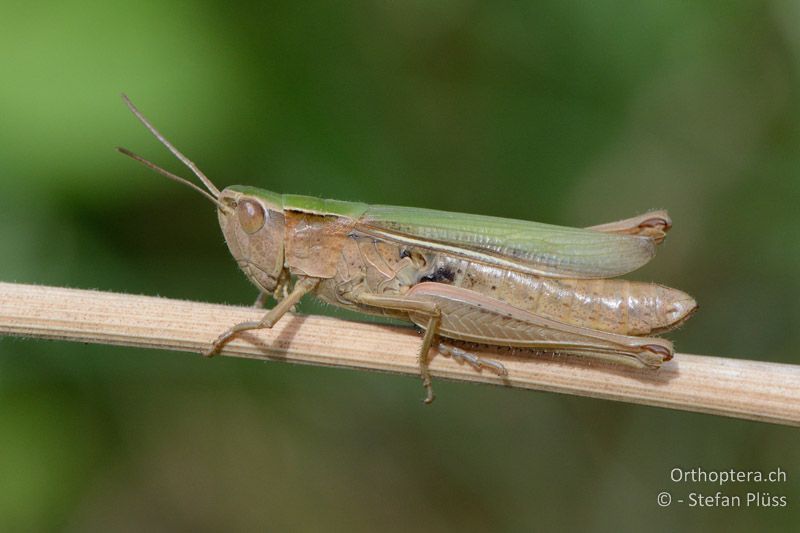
(442, 274)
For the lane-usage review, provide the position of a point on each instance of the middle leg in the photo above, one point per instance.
(427, 309)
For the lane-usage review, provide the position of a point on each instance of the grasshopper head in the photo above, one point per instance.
(251, 219)
(252, 222)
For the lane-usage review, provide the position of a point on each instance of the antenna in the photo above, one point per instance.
(185, 160)
(170, 175)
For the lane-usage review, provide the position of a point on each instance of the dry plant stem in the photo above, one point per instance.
(768, 392)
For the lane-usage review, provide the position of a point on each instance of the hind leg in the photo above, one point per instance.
(465, 357)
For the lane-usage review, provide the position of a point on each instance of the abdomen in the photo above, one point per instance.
(612, 305)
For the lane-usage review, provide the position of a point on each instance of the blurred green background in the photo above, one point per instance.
(573, 113)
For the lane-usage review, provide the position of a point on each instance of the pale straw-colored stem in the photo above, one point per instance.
(768, 392)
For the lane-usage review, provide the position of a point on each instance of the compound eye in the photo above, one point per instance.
(251, 215)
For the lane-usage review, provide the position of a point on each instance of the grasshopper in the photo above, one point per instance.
(480, 279)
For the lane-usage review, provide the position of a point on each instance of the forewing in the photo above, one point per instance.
(531, 247)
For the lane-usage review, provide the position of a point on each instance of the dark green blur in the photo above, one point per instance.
(566, 112)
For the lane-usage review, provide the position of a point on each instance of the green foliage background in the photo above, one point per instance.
(566, 112)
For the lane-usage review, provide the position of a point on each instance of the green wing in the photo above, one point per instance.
(531, 247)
